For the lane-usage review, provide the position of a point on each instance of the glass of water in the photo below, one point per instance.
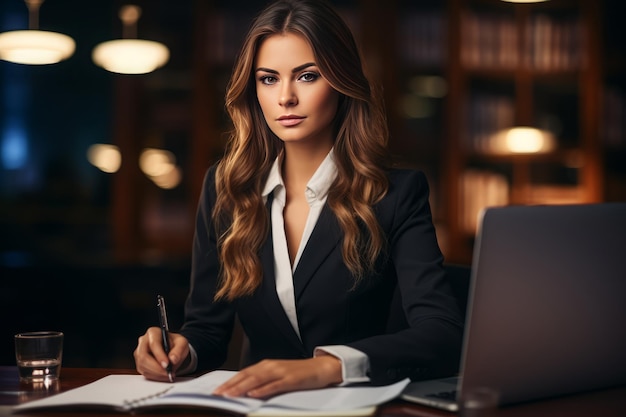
(38, 355)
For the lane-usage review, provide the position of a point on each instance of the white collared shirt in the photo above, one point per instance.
(354, 363)
(316, 193)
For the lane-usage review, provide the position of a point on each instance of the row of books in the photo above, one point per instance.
(555, 44)
(489, 41)
(486, 115)
(481, 188)
(493, 41)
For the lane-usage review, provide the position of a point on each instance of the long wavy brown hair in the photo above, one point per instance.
(360, 148)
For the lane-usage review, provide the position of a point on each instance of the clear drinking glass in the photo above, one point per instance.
(39, 355)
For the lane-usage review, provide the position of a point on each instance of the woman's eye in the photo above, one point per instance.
(309, 76)
(267, 79)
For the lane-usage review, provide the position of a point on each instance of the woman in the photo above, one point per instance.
(327, 256)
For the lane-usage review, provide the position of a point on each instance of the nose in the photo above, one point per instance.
(287, 96)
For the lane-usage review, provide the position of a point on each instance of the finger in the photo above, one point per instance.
(274, 377)
(274, 387)
(155, 342)
(284, 376)
(179, 350)
(146, 361)
(229, 388)
(245, 381)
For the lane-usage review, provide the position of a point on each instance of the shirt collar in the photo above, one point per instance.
(274, 179)
(320, 182)
(318, 185)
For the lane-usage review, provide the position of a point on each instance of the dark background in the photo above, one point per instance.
(57, 268)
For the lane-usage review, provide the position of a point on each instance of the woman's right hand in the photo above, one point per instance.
(151, 359)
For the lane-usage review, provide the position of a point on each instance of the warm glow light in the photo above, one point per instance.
(169, 180)
(522, 140)
(160, 166)
(107, 158)
(35, 47)
(156, 162)
(130, 56)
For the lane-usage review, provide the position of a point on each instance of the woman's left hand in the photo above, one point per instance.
(270, 377)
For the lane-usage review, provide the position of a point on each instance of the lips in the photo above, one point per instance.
(290, 120)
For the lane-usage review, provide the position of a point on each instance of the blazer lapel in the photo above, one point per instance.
(323, 240)
(268, 296)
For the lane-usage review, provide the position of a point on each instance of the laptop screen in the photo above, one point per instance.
(548, 301)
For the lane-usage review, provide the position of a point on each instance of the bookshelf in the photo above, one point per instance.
(519, 65)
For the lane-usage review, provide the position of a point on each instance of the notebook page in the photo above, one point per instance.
(338, 398)
(288, 412)
(198, 392)
(116, 391)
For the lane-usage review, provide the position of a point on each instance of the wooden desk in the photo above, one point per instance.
(606, 403)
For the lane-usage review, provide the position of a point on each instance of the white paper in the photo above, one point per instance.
(128, 392)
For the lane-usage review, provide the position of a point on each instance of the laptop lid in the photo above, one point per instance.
(547, 302)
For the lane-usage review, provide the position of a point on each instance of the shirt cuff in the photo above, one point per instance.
(354, 363)
(191, 366)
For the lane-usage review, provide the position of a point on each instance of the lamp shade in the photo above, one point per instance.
(130, 56)
(35, 47)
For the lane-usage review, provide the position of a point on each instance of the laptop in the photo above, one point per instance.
(546, 308)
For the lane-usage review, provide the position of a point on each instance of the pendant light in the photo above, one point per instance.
(130, 56)
(34, 46)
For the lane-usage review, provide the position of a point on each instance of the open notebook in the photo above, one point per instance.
(131, 393)
(547, 306)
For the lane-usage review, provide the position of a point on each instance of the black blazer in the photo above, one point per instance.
(404, 316)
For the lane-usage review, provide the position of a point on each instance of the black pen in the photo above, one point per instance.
(165, 328)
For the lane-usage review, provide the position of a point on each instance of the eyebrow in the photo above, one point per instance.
(293, 71)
